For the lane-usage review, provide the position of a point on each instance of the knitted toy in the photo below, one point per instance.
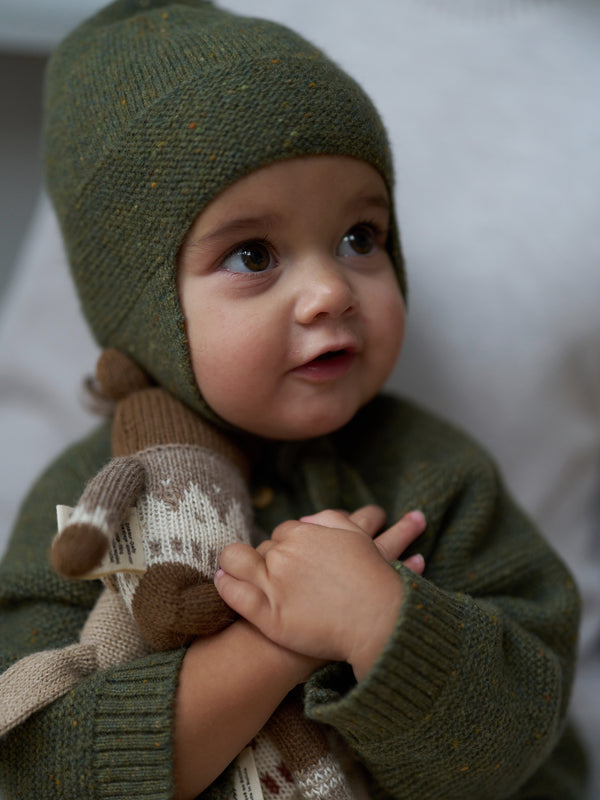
(187, 484)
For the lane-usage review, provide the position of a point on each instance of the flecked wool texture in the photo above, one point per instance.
(151, 110)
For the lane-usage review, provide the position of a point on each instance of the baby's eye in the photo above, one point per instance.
(360, 240)
(249, 257)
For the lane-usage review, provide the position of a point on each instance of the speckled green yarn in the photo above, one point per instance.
(152, 109)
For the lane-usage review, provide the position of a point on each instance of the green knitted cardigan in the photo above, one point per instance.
(468, 699)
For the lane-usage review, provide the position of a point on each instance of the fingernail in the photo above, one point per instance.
(219, 573)
(418, 516)
(416, 563)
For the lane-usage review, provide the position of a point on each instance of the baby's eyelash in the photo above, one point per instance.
(264, 241)
(375, 227)
(240, 258)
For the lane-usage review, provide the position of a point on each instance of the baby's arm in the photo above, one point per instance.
(322, 585)
(231, 683)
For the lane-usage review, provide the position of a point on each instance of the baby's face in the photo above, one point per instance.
(293, 312)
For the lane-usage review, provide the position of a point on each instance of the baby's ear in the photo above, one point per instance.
(119, 376)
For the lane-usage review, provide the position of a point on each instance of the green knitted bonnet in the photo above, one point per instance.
(152, 109)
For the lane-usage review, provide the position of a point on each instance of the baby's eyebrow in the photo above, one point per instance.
(235, 227)
(371, 201)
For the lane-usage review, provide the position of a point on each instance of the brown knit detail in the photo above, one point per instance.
(118, 375)
(171, 607)
(203, 610)
(78, 550)
(154, 417)
(269, 783)
(300, 741)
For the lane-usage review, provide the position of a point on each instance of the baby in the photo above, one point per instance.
(226, 197)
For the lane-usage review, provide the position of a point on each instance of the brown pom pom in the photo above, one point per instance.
(118, 375)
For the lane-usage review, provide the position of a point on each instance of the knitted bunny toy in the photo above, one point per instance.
(188, 484)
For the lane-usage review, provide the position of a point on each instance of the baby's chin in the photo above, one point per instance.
(301, 430)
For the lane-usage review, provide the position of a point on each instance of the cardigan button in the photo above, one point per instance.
(262, 497)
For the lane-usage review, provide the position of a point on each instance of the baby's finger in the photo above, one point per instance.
(264, 547)
(394, 541)
(369, 518)
(244, 598)
(283, 531)
(242, 562)
(327, 514)
(329, 518)
(415, 564)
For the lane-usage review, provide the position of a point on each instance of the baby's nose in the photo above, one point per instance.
(325, 290)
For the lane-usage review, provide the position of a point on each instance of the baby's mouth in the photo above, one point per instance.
(329, 355)
(328, 365)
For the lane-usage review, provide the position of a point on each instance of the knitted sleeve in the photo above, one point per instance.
(111, 735)
(468, 700)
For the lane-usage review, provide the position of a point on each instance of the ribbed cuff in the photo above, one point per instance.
(407, 678)
(133, 747)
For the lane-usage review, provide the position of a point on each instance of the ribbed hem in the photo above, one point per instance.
(410, 674)
(134, 718)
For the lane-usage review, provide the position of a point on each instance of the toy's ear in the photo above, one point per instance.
(119, 376)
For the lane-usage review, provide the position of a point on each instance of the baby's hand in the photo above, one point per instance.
(322, 586)
(392, 542)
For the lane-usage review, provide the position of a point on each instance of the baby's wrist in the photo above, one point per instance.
(300, 667)
(291, 666)
(369, 646)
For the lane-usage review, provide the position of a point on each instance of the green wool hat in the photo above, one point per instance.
(152, 108)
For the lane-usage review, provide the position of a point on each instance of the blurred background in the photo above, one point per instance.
(28, 31)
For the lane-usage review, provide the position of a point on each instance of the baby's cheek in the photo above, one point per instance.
(394, 314)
